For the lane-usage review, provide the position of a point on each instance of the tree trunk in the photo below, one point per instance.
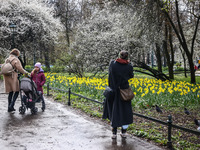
(170, 67)
(192, 72)
(164, 62)
(178, 29)
(148, 58)
(24, 57)
(143, 57)
(184, 61)
(172, 54)
(23, 61)
(67, 24)
(139, 56)
(182, 40)
(158, 56)
(46, 57)
(167, 55)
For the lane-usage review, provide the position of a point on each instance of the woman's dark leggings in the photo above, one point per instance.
(12, 96)
(114, 130)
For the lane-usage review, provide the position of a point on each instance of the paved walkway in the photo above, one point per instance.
(59, 128)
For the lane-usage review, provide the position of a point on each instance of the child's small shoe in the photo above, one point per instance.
(123, 135)
(114, 136)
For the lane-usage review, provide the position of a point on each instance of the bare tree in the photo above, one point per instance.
(179, 31)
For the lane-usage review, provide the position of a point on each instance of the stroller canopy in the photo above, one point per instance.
(27, 85)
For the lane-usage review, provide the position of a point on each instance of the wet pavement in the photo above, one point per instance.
(60, 127)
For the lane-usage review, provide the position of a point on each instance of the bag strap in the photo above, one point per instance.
(10, 61)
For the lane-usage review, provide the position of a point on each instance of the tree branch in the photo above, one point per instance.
(179, 24)
(194, 37)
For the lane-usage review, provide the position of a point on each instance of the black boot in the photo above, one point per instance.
(114, 131)
(12, 104)
(10, 95)
(43, 107)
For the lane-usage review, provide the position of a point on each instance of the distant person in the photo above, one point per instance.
(11, 82)
(195, 68)
(119, 112)
(38, 77)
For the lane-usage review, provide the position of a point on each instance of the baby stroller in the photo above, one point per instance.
(29, 95)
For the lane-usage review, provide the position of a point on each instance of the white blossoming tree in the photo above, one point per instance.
(100, 38)
(35, 23)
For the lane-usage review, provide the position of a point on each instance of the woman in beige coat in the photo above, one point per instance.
(11, 82)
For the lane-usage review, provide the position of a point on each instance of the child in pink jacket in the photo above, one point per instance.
(38, 77)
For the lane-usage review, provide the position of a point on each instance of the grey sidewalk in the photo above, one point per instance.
(59, 128)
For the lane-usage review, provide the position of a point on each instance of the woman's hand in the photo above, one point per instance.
(27, 74)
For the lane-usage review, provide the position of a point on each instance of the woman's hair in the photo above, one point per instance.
(15, 52)
(123, 54)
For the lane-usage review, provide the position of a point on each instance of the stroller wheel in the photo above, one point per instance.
(34, 110)
(22, 109)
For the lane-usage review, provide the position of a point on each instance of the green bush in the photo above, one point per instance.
(164, 68)
(29, 68)
(178, 64)
(58, 69)
(45, 69)
(53, 69)
(180, 69)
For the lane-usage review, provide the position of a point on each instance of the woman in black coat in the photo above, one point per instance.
(119, 112)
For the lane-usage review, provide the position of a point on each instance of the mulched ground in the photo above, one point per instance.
(179, 137)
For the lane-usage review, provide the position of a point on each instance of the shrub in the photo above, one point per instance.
(58, 69)
(29, 68)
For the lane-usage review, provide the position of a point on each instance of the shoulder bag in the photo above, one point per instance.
(126, 94)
